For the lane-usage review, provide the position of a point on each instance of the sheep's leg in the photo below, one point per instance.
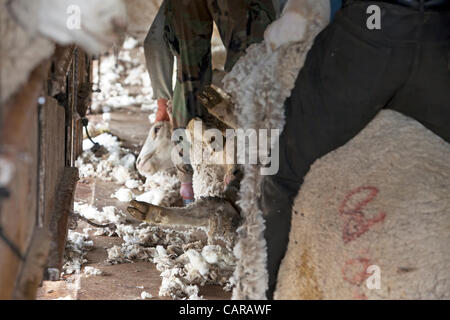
(167, 216)
(216, 215)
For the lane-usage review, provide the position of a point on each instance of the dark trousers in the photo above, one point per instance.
(350, 74)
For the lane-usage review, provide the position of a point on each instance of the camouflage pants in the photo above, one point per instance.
(188, 30)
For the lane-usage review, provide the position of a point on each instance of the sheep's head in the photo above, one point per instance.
(156, 152)
(92, 24)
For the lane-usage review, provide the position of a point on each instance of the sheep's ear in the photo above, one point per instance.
(24, 13)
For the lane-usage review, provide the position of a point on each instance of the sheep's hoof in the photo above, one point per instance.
(143, 211)
(138, 210)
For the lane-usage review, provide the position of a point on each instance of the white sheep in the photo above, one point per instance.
(372, 218)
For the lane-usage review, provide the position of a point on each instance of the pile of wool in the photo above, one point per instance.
(140, 241)
(198, 265)
(184, 264)
(145, 295)
(123, 80)
(91, 271)
(77, 245)
(117, 164)
(162, 189)
(123, 195)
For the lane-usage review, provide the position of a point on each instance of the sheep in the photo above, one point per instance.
(211, 210)
(212, 170)
(156, 152)
(371, 219)
(28, 30)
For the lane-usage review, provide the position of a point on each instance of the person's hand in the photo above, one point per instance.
(290, 28)
(162, 114)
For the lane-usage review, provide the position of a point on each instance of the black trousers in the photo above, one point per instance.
(350, 74)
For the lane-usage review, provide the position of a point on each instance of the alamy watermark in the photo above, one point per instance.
(373, 282)
(374, 20)
(235, 146)
(74, 17)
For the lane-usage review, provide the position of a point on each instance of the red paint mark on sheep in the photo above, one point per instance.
(356, 223)
(357, 276)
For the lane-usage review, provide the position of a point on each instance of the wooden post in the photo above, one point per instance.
(19, 144)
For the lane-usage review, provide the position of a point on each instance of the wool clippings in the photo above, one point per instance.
(91, 271)
(77, 245)
(145, 295)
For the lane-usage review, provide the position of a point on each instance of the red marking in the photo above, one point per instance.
(356, 223)
(357, 276)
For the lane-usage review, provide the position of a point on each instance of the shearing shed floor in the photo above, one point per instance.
(97, 279)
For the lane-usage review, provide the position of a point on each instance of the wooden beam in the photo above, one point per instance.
(59, 222)
(19, 145)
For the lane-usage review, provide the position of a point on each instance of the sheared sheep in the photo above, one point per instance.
(211, 211)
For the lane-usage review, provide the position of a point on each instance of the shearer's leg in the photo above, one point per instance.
(160, 60)
(189, 27)
(426, 96)
(241, 23)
